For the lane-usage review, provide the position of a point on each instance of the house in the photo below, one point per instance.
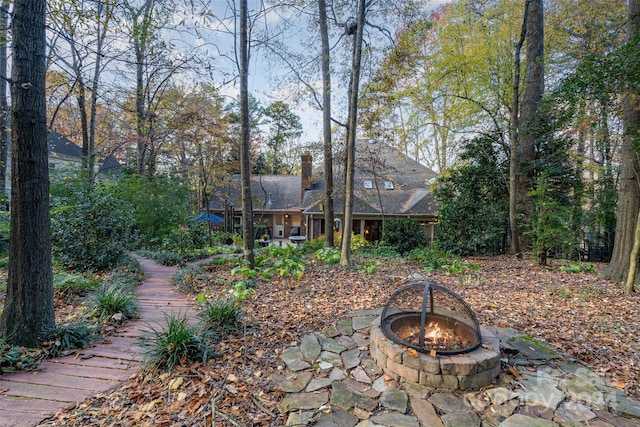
(65, 155)
(388, 183)
(276, 203)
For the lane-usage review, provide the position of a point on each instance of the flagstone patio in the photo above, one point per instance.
(330, 379)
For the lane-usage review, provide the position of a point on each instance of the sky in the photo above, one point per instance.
(269, 81)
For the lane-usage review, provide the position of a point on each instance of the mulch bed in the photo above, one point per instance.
(582, 316)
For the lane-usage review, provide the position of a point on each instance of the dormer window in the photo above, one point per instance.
(368, 185)
(388, 185)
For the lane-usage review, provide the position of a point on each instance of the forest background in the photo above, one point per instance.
(151, 82)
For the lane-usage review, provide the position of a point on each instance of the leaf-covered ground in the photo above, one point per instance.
(581, 315)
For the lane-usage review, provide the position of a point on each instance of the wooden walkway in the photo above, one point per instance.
(27, 398)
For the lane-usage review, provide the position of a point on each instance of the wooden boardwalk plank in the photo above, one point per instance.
(28, 406)
(38, 391)
(19, 419)
(97, 361)
(63, 380)
(111, 353)
(91, 371)
(32, 397)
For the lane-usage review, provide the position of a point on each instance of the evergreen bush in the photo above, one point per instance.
(90, 231)
(404, 234)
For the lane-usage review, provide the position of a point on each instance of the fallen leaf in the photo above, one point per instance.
(412, 352)
(514, 371)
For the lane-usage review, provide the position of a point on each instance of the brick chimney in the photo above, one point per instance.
(305, 181)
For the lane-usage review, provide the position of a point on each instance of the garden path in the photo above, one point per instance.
(27, 398)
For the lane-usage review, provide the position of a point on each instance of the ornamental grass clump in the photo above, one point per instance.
(179, 344)
(71, 336)
(220, 317)
(113, 299)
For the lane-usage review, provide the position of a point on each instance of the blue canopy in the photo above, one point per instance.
(204, 216)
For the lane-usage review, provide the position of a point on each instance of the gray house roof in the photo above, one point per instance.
(386, 182)
(269, 192)
(63, 149)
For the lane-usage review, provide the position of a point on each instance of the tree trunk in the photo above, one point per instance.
(633, 260)
(104, 14)
(531, 100)
(351, 136)
(245, 144)
(28, 312)
(513, 133)
(140, 33)
(326, 126)
(140, 111)
(4, 104)
(629, 192)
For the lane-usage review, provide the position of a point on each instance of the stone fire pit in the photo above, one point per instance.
(471, 370)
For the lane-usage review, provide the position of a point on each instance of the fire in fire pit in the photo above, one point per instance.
(430, 318)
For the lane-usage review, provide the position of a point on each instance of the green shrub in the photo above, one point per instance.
(222, 238)
(369, 266)
(74, 283)
(404, 234)
(327, 255)
(242, 289)
(180, 343)
(160, 208)
(285, 261)
(378, 250)
(127, 273)
(432, 260)
(245, 271)
(550, 228)
(111, 299)
(577, 267)
(220, 317)
(13, 358)
(91, 231)
(168, 258)
(313, 245)
(71, 336)
(4, 230)
(473, 201)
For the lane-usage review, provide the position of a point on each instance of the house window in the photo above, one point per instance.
(388, 185)
(368, 185)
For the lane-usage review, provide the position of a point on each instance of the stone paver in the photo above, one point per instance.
(331, 380)
(550, 392)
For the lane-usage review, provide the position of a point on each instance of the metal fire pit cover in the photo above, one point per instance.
(428, 317)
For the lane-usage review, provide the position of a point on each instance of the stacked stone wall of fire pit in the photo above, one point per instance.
(471, 370)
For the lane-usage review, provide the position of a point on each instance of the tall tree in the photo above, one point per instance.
(199, 146)
(84, 26)
(4, 104)
(156, 64)
(629, 193)
(245, 136)
(355, 28)
(326, 124)
(532, 98)
(29, 312)
(514, 166)
(284, 127)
